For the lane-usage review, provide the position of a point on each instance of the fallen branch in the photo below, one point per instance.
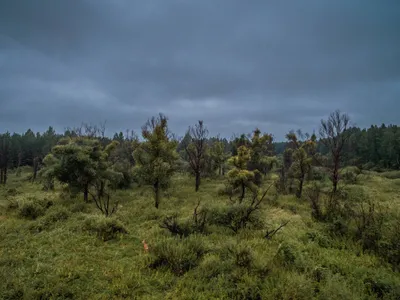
(271, 233)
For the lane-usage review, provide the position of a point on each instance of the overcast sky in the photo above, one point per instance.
(236, 64)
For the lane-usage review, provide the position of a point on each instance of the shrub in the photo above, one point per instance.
(79, 207)
(12, 192)
(314, 194)
(382, 288)
(240, 215)
(338, 226)
(185, 228)
(391, 174)
(286, 254)
(106, 228)
(350, 177)
(58, 214)
(390, 249)
(12, 204)
(235, 217)
(178, 255)
(33, 208)
(317, 173)
(225, 190)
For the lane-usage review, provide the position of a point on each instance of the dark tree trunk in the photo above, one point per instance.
(335, 176)
(197, 181)
(157, 194)
(1, 176)
(220, 170)
(300, 188)
(5, 175)
(35, 168)
(86, 193)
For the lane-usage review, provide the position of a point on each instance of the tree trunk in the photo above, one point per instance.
(86, 193)
(157, 194)
(1, 176)
(220, 170)
(5, 175)
(300, 188)
(335, 179)
(197, 181)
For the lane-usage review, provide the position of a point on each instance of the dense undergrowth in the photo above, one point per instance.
(55, 247)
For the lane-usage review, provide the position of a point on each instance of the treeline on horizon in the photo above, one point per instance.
(374, 148)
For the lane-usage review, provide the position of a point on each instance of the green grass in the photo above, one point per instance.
(60, 255)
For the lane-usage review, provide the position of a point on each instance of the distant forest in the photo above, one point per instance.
(376, 148)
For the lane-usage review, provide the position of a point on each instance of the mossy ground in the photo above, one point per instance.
(50, 258)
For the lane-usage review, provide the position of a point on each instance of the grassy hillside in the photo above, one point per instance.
(70, 251)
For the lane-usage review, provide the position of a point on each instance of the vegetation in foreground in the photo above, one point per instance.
(53, 247)
(167, 219)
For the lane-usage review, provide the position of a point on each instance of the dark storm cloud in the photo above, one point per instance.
(236, 64)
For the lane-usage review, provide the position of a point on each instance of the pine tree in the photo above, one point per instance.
(302, 158)
(83, 164)
(239, 176)
(156, 156)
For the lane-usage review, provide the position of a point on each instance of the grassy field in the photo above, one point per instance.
(62, 253)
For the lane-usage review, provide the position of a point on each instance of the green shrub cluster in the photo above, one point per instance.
(178, 255)
(53, 215)
(32, 208)
(106, 228)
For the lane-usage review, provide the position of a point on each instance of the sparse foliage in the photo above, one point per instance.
(196, 150)
(334, 135)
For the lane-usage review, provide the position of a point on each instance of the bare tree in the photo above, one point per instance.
(196, 150)
(334, 135)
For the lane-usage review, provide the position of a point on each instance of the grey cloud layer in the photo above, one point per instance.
(236, 64)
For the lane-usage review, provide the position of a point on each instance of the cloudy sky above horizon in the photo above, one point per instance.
(277, 65)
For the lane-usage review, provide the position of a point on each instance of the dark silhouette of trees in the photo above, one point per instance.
(196, 150)
(334, 135)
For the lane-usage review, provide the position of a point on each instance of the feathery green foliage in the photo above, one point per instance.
(156, 157)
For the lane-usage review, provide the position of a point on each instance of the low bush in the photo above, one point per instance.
(391, 174)
(79, 207)
(382, 288)
(236, 217)
(54, 215)
(390, 248)
(225, 190)
(184, 228)
(177, 255)
(32, 208)
(286, 255)
(349, 176)
(104, 227)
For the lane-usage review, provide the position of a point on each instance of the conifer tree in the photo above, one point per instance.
(302, 158)
(240, 176)
(156, 156)
(219, 156)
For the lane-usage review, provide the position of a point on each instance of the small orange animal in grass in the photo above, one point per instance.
(145, 246)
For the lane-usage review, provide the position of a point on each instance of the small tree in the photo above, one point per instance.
(262, 151)
(80, 162)
(196, 150)
(219, 156)
(156, 156)
(333, 132)
(302, 158)
(239, 176)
